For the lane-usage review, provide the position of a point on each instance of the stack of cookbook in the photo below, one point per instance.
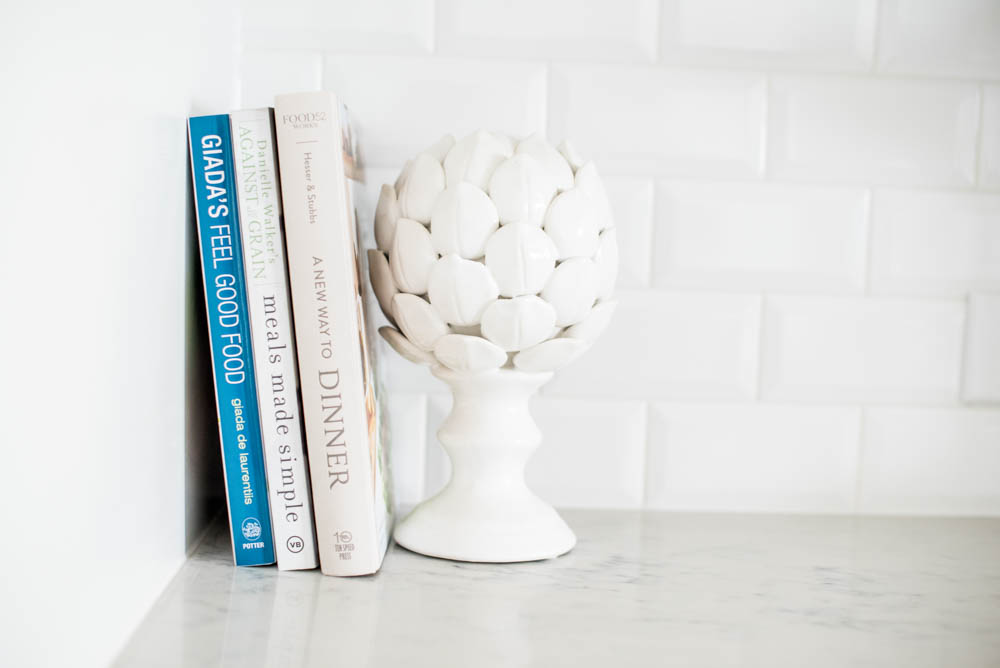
(304, 457)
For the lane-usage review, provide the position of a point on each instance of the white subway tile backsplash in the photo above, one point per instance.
(264, 74)
(845, 349)
(632, 207)
(742, 155)
(592, 455)
(958, 37)
(981, 381)
(757, 236)
(675, 122)
(385, 26)
(799, 34)
(752, 458)
(404, 105)
(625, 30)
(989, 155)
(930, 242)
(882, 131)
(406, 415)
(670, 345)
(931, 461)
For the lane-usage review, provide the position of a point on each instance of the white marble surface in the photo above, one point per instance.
(640, 589)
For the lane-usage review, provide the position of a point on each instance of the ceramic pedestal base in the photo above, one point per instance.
(486, 512)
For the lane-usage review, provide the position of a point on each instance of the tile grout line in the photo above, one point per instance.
(788, 402)
(877, 37)
(765, 140)
(659, 34)
(860, 455)
(425, 408)
(322, 69)
(761, 343)
(805, 183)
(820, 295)
(655, 205)
(435, 27)
(963, 356)
(239, 51)
(644, 479)
(977, 168)
(870, 244)
(769, 69)
(547, 126)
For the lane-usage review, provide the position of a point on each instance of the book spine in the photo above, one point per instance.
(229, 336)
(273, 344)
(324, 289)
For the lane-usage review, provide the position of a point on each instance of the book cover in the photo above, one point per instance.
(320, 171)
(273, 344)
(229, 334)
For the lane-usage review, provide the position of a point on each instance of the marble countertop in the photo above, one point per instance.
(640, 589)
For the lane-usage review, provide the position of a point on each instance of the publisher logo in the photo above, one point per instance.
(251, 528)
(306, 119)
(295, 544)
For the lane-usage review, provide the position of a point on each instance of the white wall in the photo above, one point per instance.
(807, 199)
(108, 455)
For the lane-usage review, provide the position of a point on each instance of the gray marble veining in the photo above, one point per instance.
(640, 589)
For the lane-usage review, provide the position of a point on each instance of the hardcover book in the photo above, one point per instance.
(273, 344)
(229, 334)
(320, 176)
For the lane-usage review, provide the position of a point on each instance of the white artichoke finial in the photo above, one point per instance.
(494, 253)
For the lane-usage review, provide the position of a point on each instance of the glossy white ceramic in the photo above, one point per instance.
(554, 163)
(496, 262)
(439, 149)
(475, 158)
(572, 290)
(518, 323)
(521, 189)
(521, 258)
(550, 355)
(591, 327)
(463, 219)
(412, 256)
(460, 290)
(383, 283)
(419, 321)
(568, 151)
(404, 347)
(473, 225)
(468, 354)
(422, 187)
(386, 215)
(486, 512)
(606, 263)
(571, 224)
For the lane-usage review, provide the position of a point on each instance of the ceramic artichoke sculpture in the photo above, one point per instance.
(494, 253)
